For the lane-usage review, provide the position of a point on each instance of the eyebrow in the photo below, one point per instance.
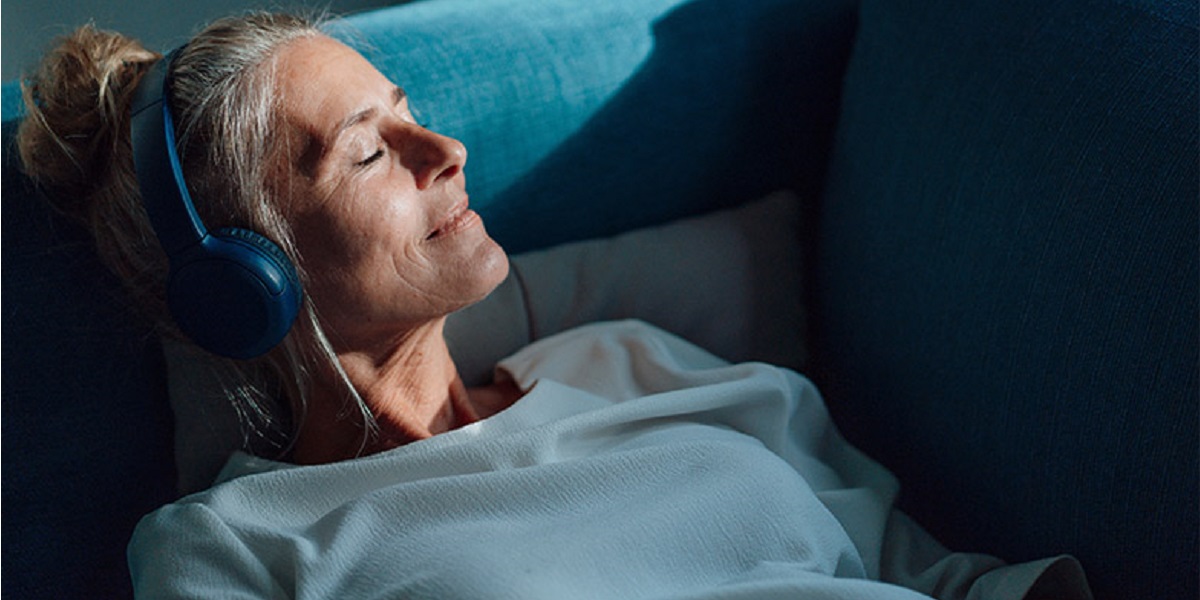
(398, 96)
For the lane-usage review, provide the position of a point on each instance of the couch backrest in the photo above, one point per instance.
(1007, 283)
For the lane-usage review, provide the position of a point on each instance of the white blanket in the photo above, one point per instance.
(636, 466)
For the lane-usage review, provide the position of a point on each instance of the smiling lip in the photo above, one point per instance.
(459, 217)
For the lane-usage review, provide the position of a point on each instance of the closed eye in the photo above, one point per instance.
(370, 159)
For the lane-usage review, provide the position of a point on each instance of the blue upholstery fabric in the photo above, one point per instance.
(10, 100)
(1006, 292)
(585, 119)
(87, 429)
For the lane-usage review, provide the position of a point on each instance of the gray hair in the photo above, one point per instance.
(75, 144)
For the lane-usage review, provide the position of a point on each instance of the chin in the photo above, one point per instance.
(494, 266)
(488, 269)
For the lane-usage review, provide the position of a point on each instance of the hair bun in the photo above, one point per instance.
(74, 144)
(74, 138)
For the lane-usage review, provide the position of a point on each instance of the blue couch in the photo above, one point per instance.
(1001, 251)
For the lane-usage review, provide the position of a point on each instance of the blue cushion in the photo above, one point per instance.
(11, 106)
(87, 427)
(1007, 280)
(586, 119)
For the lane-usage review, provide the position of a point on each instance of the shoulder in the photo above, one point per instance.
(186, 549)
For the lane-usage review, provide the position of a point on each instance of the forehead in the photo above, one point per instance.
(319, 83)
(319, 80)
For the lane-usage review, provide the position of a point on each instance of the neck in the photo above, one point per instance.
(410, 385)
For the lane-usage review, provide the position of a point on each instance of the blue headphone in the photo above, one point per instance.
(232, 291)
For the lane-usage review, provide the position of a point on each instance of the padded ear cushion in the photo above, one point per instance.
(235, 294)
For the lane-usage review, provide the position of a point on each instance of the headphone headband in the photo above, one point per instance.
(165, 194)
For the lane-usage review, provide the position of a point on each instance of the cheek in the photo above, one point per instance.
(348, 253)
(351, 222)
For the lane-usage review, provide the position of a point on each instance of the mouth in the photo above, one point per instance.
(460, 217)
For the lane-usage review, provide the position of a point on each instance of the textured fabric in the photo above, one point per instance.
(1007, 277)
(87, 431)
(584, 119)
(636, 466)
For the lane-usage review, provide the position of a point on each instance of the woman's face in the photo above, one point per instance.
(377, 203)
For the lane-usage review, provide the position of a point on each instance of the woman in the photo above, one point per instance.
(611, 461)
(417, 193)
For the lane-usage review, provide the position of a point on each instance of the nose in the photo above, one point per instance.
(430, 156)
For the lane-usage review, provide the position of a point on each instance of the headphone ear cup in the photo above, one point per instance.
(235, 294)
